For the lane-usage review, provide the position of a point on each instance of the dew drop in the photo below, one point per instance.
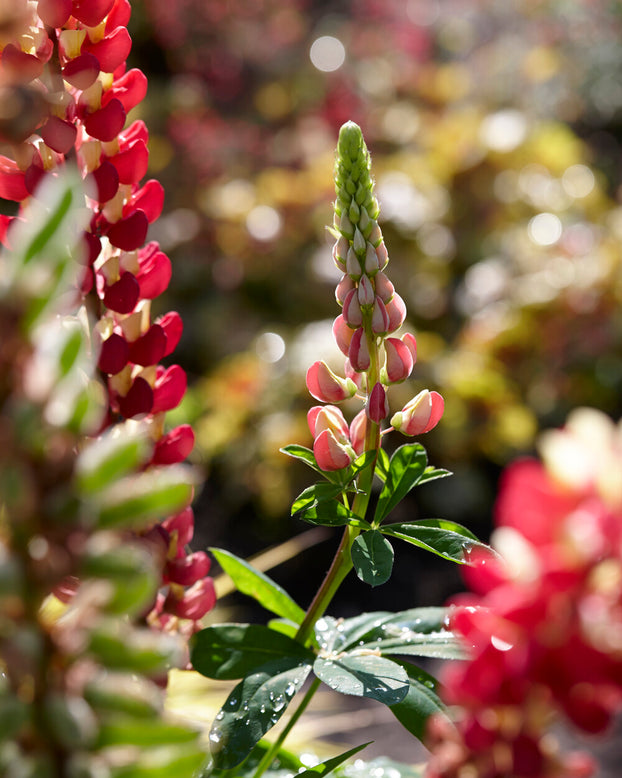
(215, 736)
(290, 689)
(262, 709)
(279, 702)
(232, 702)
(220, 715)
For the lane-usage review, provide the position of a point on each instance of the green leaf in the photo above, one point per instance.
(55, 217)
(259, 586)
(383, 624)
(363, 675)
(110, 457)
(129, 731)
(372, 557)
(324, 768)
(254, 707)
(406, 468)
(144, 652)
(444, 538)
(382, 465)
(183, 759)
(306, 455)
(139, 500)
(437, 645)
(228, 651)
(283, 626)
(421, 702)
(432, 473)
(318, 505)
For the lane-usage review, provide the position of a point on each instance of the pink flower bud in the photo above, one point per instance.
(365, 291)
(384, 288)
(340, 252)
(358, 427)
(396, 309)
(328, 417)
(382, 254)
(342, 334)
(372, 265)
(187, 570)
(325, 386)
(409, 340)
(377, 405)
(419, 415)
(330, 454)
(353, 266)
(379, 317)
(345, 285)
(399, 362)
(352, 310)
(359, 243)
(359, 351)
(375, 235)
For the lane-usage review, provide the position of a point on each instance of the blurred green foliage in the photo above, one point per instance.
(495, 134)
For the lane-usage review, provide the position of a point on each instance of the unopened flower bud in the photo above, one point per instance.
(358, 428)
(360, 379)
(353, 266)
(382, 254)
(399, 362)
(372, 265)
(352, 310)
(340, 252)
(365, 292)
(359, 243)
(359, 351)
(361, 194)
(330, 454)
(419, 415)
(354, 212)
(377, 407)
(328, 417)
(345, 285)
(327, 387)
(345, 226)
(342, 334)
(379, 317)
(365, 223)
(396, 310)
(375, 234)
(384, 288)
(410, 342)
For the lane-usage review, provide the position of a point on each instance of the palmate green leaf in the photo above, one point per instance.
(324, 768)
(125, 730)
(406, 468)
(444, 538)
(228, 651)
(432, 474)
(363, 675)
(254, 707)
(372, 557)
(110, 457)
(259, 586)
(421, 702)
(383, 624)
(338, 477)
(138, 500)
(318, 504)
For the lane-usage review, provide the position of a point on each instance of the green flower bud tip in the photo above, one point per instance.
(353, 162)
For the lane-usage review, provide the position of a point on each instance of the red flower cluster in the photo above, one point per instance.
(545, 624)
(66, 65)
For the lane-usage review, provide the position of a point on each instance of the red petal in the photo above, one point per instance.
(174, 447)
(19, 66)
(169, 389)
(119, 16)
(114, 354)
(150, 200)
(82, 71)
(54, 13)
(33, 175)
(131, 163)
(138, 400)
(149, 348)
(12, 186)
(129, 234)
(189, 569)
(91, 12)
(155, 271)
(136, 131)
(183, 524)
(106, 181)
(112, 50)
(195, 603)
(122, 296)
(173, 326)
(59, 135)
(130, 89)
(93, 247)
(107, 122)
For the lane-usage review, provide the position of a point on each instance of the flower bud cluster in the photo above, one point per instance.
(67, 64)
(371, 312)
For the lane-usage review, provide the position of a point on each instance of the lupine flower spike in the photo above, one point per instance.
(69, 59)
(364, 331)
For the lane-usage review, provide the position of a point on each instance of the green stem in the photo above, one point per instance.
(270, 755)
